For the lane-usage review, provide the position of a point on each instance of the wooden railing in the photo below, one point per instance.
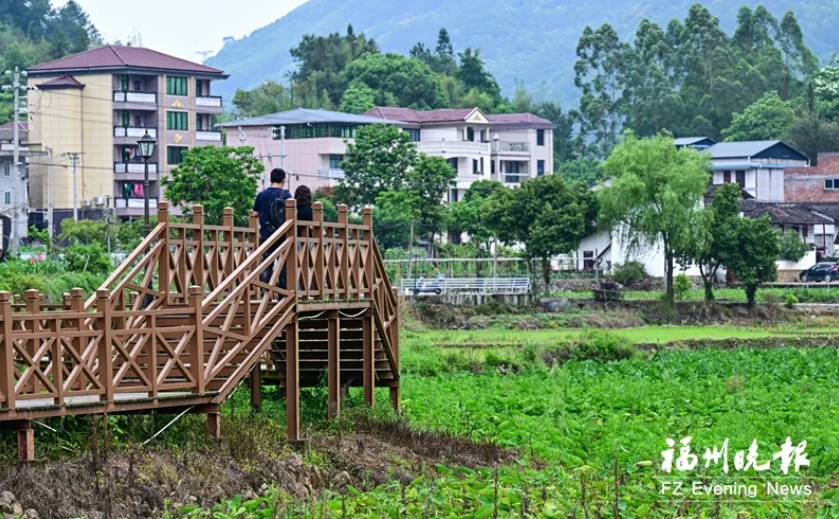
(186, 314)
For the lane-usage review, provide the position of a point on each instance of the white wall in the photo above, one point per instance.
(806, 262)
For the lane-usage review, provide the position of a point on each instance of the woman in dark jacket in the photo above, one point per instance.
(303, 196)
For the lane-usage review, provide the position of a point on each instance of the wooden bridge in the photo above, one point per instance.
(185, 320)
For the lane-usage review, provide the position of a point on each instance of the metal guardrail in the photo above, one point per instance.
(466, 286)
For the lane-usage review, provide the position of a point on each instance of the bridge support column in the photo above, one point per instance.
(333, 375)
(26, 442)
(292, 363)
(395, 396)
(214, 422)
(256, 386)
(369, 362)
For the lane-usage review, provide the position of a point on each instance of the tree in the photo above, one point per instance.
(768, 118)
(216, 177)
(791, 247)
(585, 170)
(397, 81)
(84, 232)
(430, 179)
(655, 192)
(753, 261)
(269, 97)
(473, 74)
(467, 214)
(546, 215)
(377, 161)
(714, 236)
(358, 98)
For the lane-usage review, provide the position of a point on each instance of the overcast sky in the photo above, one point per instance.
(182, 27)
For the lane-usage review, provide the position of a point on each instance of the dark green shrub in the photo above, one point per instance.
(630, 273)
(87, 258)
(682, 286)
(602, 347)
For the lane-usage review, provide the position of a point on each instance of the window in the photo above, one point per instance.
(8, 198)
(741, 178)
(176, 86)
(175, 154)
(726, 177)
(123, 83)
(492, 167)
(513, 169)
(540, 137)
(470, 134)
(202, 87)
(540, 167)
(474, 166)
(453, 196)
(176, 121)
(452, 163)
(831, 184)
(7, 169)
(588, 260)
(481, 171)
(138, 85)
(335, 161)
(414, 133)
(125, 118)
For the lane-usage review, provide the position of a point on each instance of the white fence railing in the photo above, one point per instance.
(466, 286)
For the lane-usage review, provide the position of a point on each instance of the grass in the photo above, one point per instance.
(804, 295)
(590, 434)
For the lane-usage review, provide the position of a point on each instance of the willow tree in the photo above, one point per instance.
(654, 197)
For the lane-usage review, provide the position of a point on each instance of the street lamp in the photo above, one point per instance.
(147, 145)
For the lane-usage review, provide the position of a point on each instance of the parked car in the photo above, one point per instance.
(430, 287)
(826, 272)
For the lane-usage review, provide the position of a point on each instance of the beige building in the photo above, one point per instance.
(92, 108)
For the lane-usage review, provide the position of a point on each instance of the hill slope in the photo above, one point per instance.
(531, 41)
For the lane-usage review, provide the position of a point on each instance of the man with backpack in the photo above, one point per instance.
(270, 204)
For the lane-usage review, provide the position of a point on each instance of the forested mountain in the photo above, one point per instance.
(533, 41)
(31, 32)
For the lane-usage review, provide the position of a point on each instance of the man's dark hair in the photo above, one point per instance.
(303, 195)
(277, 175)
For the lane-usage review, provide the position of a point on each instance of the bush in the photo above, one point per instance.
(682, 286)
(792, 247)
(630, 273)
(87, 258)
(791, 300)
(602, 347)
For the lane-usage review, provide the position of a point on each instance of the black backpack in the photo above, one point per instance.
(276, 216)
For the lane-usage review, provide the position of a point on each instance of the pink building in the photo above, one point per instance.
(315, 143)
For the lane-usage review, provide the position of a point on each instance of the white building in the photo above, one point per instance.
(510, 148)
(14, 192)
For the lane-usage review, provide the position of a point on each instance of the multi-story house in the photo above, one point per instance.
(14, 197)
(510, 148)
(309, 144)
(92, 108)
(819, 183)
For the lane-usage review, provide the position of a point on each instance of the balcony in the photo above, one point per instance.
(513, 148)
(208, 135)
(331, 173)
(454, 148)
(208, 101)
(134, 132)
(134, 203)
(134, 167)
(135, 97)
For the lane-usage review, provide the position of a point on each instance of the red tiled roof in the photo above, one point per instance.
(61, 82)
(447, 115)
(114, 56)
(22, 126)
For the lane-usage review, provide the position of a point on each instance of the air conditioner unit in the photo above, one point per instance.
(86, 204)
(99, 201)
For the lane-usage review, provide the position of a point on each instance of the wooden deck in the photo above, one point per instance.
(186, 319)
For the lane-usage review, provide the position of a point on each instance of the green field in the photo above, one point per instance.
(590, 433)
(819, 294)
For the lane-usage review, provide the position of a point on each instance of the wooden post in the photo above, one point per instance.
(333, 375)
(227, 223)
(343, 236)
(26, 442)
(319, 251)
(394, 345)
(33, 306)
(164, 280)
(292, 370)
(369, 355)
(106, 360)
(214, 422)
(254, 237)
(196, 348)
(256, 386)
(7, 352)
(291, 261)
(198, 267)
(77, 307)
(367, 222)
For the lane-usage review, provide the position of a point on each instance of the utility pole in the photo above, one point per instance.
(51, 200)
(74, 156)
(16, 88)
